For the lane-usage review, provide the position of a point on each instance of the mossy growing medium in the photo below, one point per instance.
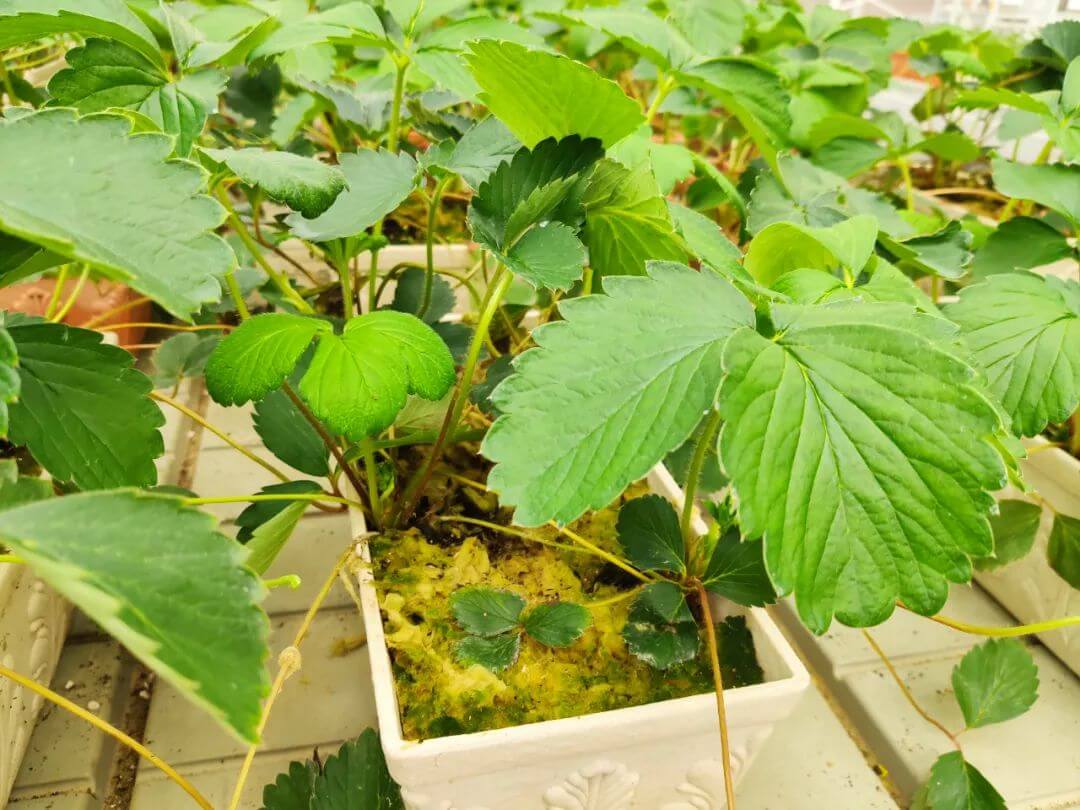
(418, 570)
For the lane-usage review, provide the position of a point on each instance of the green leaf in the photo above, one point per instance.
(548, 256)
(1014, 527)
(289, 435)
(944, 253)
(884, 495)
(990, 98)
(707, 241)
(10, 383)
(28, 20)
(995, 681)
(293, 789)
(1056, 186)
(736, 571)
(648, 529)
(481, 151)
(104, 74)
(83, 411)
(611, 389)
(1063, 552)
(1024, 331)
(949, 146)
(710, 27)
(485, 611)
(956, 785)
(639, 30)
(356, 778)
(660, 629)
(302, 183)
(409, 295)
(495, 654)
(265, 526)
(627, 222)
(181, 356)
(23, 489)
(165, 583)
(1070, 87)
(849, 156)
(1020, 243)
(542, 95)
(155, 230)
(359, 381)
(352, 23)
(258, 356)
(378, 182)
(785, 246)
(557, 624)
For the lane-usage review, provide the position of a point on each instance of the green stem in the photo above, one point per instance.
(58, 288)
(371, 472)
(14, 559)
(718, 686)
(587, 280)
(401, 62)
(1003, 632)
(693, 473)
(256, 253)
(9, 87)
(290, 581)
(492, 300)
(66, 308)
(1074, 438)
(663, 89)
(237, 295)
(296, 496)
(433, 213)
(345, 275)
(909, 186)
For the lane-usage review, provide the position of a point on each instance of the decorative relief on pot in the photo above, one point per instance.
(601, 786)
(421, 801)
(704, 785)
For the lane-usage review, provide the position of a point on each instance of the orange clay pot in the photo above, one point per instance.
(95, 298)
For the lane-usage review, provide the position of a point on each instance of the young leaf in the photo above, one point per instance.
(495, 653)
(557, 624)
(881, 408)
(27, 20)
(649, 350)
(481, 151)
(181, 356)
(356, 778)
(995, 681)
(485, 611)
(1020, 243)
(736, 571)
(944, 253)
(349, 23)
(302, 183)
(1063, 553)
(640, 31)
(548, 256)
(786, 246)
(155, 230)
(1014, 528)
(378, 182)
(660, 629)
(627, 222)
(358, 382)
(164, 582)
(542, 95)
(265, 526)
(648, 529)
(83, 411)
(1056, 186)
(293, 789)
(9, 378)
(956, 785)
(258, 356)
(289, 436)
(1024, 331)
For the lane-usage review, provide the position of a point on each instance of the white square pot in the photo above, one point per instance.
(1029, 588)
(660, 756)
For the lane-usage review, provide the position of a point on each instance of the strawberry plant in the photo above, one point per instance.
(697, 243)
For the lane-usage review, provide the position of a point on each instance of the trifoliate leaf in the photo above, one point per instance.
(292, 790)
(481, 151)
(884, 495)
(660, 629)
(10, 382)
(165, 583)
(648, 529)
(1063, 553)
(496, 653)
(542, 95)
(548, 256)
(557, 624)
(626, 221)
(944, 253)
(359, 381)
(304, 184)
(785, 246)
(104, 74)
(956, 785)
(265, 526)
(83, 410)
(181, 356)
(1020, 243)
(1056, 186)
(736, 571)
(351, 23)
(1014, 528)
(1024, 331)
(154, 230)
(610, 390)
(28, 20)
(486, 611)
(259, 355)
(356, 778)
(378, 182)
(995, 681)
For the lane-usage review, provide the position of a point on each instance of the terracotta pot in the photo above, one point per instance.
(95, 299)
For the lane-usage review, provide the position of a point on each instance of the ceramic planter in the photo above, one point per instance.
(33, 623)
(95, 299)
(1029, 588)
(660, 756)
